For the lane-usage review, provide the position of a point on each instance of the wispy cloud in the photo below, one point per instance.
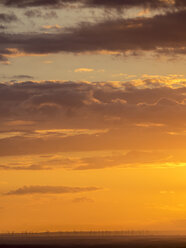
(83, 70)
(123, 160)
(50, 190)
(82, 200)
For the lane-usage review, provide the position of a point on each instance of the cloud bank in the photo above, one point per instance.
(114, 36)
(53, 116)
(95, 3)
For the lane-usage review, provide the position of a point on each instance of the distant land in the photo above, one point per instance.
(103, 239)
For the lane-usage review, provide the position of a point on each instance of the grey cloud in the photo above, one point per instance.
(50, 190)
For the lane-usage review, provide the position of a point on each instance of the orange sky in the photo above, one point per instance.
(92, 115)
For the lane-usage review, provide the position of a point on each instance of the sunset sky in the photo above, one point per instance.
(92, 115)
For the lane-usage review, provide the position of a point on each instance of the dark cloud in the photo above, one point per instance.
(3, 59)
(7, 18)
(50, 190)
(32, 13)
(78, 104)
(2, 27)
(124, 36)
(37, 3)
(94, 3)
(22, 77)
(129, 3)
(4, 53)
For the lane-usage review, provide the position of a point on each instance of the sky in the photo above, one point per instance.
(92, 115)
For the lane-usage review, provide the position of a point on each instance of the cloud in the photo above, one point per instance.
(3, 59)
(130, 159)
(82, 200)
(19, 123)
(37, 13)
(7, 18)
(154, 4)
(2, 27)
(54, 116)
(6, 53)
(37, 3)
(45, 164)
(83, 70)
(95, 3)
(121, 36)
(50, 27)
(23, 168)
(50, 190)
(22, 77)
(32, 100)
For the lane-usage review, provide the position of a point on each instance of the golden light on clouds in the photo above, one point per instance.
(84, 70)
